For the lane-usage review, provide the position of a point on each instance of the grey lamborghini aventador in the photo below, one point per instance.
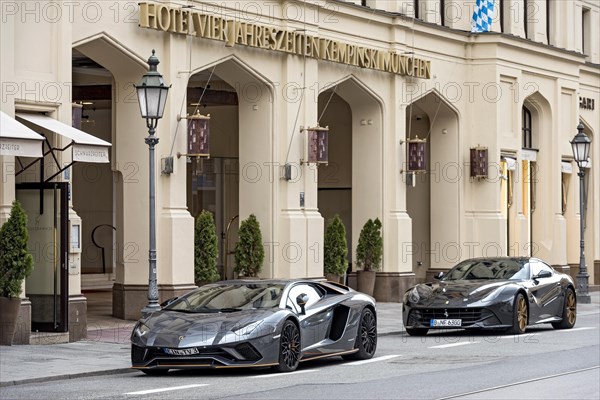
(256, 323)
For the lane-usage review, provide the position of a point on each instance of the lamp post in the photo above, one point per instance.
(152, 96)
(581, 150)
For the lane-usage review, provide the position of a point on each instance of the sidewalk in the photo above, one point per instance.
(107, 349)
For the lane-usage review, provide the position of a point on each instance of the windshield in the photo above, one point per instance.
(488, 269)
(229, 298)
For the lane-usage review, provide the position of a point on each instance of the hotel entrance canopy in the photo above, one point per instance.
(18, 140)
(84, 147)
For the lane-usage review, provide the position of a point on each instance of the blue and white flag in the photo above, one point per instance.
(483, 16)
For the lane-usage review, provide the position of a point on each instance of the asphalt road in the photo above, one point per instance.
(542, 364)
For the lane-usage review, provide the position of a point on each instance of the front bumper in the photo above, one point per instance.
(255, 353)
(495, 316)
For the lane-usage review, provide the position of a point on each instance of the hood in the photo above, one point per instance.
(179, 329)
(457, 293)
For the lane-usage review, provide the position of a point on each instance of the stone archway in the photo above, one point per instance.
(239, 102)
(537, 181)
(434, 199)
(352, 184)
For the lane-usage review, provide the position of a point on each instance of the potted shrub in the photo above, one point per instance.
(335, 249)
(249, 251)
(16, 264)
(206, 249)
(368, 255)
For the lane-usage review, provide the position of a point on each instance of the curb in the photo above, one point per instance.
(66, 376)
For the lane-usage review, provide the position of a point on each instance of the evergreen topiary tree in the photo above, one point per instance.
(335, 247)
(370, 246)
(206, 249)
(249, 251)
(16, 263)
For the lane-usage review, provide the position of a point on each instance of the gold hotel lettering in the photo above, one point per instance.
(188, 22)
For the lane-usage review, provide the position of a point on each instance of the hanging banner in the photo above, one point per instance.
(318, 145)
(198, 136)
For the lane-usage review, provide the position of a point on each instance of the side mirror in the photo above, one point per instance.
(542, 274)
(301, 300)
(438, 276)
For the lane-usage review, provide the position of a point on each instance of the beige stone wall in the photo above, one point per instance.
(478, 86)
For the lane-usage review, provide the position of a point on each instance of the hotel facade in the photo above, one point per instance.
(458, 142)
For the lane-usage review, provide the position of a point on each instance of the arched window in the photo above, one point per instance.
(527, 131)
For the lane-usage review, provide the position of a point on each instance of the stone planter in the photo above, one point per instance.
(366, 281)
(9, 313)
(333, 278)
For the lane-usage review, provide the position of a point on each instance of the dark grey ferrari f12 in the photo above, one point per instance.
(256, 323)
(505, 293)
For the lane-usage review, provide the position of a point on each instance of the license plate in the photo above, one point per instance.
(181, 352)
(445, 322)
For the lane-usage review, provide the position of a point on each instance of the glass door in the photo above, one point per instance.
(46, 205)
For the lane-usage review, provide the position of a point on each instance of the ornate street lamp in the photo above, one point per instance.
(152, 96)
(581, 150)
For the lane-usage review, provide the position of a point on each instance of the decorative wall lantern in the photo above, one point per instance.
(198, 136)
(416, 155)
(318, 145)
(479, 162)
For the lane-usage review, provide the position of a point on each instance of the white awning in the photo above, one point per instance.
(18, 140)
(511, 163)
(86, 147)
(566, 167)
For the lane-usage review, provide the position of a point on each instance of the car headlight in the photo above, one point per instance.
(246, 329)
(412, 296)
(140, 329)
(493, 295)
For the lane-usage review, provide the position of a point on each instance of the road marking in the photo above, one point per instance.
(302, 371)
(443, 346)
(376, 359)
(583, 328)
(167, 389)
(518, 383)
(588, 313)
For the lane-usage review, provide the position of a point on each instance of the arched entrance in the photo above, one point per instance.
(536, 127)
(351, 185)
(433, 198)
(240, 109)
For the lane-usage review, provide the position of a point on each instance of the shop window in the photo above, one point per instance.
(501, 8)
(566, 172)
(586, 38)
(527, 129)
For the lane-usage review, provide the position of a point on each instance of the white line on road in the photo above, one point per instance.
(583, 328)
(302, 371)
(167, 389)
(376, 359)
(519, 383)
(443, 346)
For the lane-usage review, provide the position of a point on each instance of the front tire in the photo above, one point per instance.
(289, 348)
(520, 315)
(366, 337)
(569, 312)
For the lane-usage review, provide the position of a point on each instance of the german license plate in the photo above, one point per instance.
(445, 322)
(181, 352)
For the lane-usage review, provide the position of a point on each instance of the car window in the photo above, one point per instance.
(313, 294)
(538, 266)
(490, 268)
(229, 298)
